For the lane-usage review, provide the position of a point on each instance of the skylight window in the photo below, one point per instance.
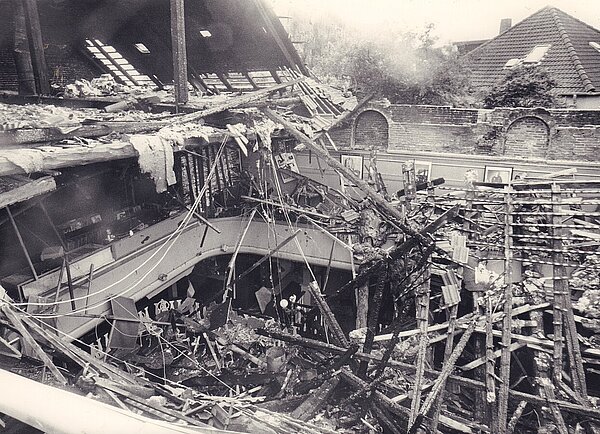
(595, 45)
(116, 64)
(512, 62)
(141, 48)
(205, 33)
(536, 54)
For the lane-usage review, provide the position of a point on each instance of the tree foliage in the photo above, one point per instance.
(523, 86)
(404, 67)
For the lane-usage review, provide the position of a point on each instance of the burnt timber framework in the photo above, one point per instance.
(472, 305)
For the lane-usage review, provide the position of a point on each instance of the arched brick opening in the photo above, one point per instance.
(371, 129)
(527, 137)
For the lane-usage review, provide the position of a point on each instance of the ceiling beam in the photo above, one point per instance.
(36, 47)
(178, 47)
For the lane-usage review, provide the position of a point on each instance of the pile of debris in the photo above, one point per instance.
(464, 313)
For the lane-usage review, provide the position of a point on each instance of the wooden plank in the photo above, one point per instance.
(21, 242)
(123, 334)
(452, 314)
(36, 47)
(7, 350)
(225, 82)
(19, 188)
(31, 342)
(81, 357)
(422, 315)
(108, 385)
(277, 31)
(483, 360)
(336, 331)
(563, 311)
(116, 64)
(440, 383)
(317, 399)
(454, 379)
(559, 288)
(178, 47)
(507, 321)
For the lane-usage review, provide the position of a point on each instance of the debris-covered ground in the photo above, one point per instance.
(474, 308)
(466, 324)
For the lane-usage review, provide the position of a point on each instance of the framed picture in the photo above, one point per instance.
(497, 175)
(519, 175)
(422, 171)
(287, 160)
(354, 163)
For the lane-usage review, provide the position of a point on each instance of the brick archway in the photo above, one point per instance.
(371, 130)
(527, 137)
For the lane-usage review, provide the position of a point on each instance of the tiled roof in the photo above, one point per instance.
(570, 60)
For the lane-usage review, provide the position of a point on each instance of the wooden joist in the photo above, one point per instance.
(19, 188)
(454, 379)
(36, 47)
(32, 343)
(178, 47)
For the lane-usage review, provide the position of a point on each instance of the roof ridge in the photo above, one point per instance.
(587, 83)
(510, 29)
(554, 8)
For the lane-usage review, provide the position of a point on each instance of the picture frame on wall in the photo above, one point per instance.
(287, 161)
(519, 175)
(498, 175)
(422, 171)
(354, 163)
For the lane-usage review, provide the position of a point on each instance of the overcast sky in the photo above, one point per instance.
(454, 20)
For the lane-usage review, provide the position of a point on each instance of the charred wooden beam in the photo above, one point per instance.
(373, 318)
(225, 81)
(410, 368)
(268, 255)
(336, 331)
(21, 242)
(116, 64)
(32, 343)
(316, 400)
(440, 383)
(21, 52)
(422, 296)
(505, 357)
(251, 80)
(178, 47)
(277, 31)
(36, 47)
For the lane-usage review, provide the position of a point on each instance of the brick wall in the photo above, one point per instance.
(527, 137)
(371, 129)
(66, 64)
(530, 134)
(65, 61)
(8, 71)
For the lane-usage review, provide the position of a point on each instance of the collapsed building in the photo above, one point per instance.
(164, 253)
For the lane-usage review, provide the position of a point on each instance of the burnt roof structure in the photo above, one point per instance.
(222, 37)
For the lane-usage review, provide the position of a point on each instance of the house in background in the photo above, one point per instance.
(566, 47)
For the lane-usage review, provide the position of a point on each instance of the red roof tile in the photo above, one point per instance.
(570, 60)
